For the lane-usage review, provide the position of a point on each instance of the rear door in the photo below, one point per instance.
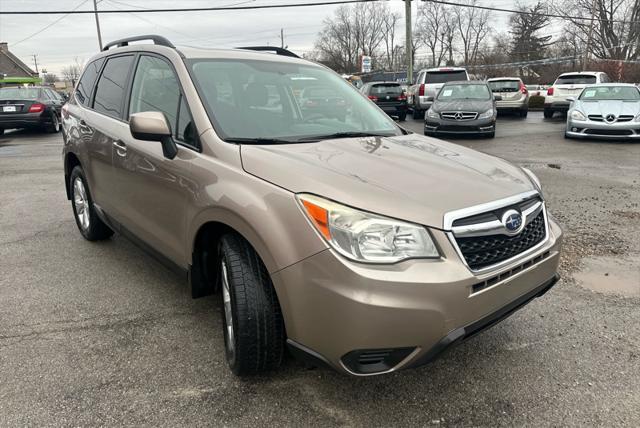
(102, 127)
(152, 190)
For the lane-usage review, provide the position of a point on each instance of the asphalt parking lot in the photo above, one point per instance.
(101, 334)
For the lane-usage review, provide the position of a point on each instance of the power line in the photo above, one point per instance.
(183, 9)
(48, 25)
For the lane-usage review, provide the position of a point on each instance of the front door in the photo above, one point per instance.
(152, 189)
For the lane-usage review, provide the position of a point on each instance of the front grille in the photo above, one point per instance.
(457, 128)
(621, 118)
(459, 115)
(625, 118)
(482, 251)
(596, 117)
(608, 132)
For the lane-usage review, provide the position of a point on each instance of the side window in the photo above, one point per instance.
(111, 86)
(156, 88)
(83, 90)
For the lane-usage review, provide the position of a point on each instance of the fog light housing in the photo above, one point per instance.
(371, 361)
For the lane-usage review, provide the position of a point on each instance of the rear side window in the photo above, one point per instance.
(445, 76)
(575, 79)
(83, 91)
(505, 86)
(111, 86)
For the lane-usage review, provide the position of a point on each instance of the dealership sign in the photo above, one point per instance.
(366, 64)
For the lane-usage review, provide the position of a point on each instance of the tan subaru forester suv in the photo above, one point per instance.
(325, 227)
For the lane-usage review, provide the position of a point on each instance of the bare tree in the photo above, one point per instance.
(436, 24)
(389, 25)
(50, 78)
(472, 26)
(616, 31)
(72, 72)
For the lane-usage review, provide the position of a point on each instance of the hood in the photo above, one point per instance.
(619, 108)
(479, 106)
(409, 177)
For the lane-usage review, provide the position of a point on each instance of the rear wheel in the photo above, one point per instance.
(89, 224)
(402, 117)
(524, 113)
(1, 131)
(548, 113)
(254, 332)
(54, 126)
(417, 113)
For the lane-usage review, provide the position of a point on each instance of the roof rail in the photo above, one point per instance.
(158, 40)
(278, 51)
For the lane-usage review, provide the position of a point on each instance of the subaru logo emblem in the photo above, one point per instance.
(458, 116)
(610, 118)
(513, 222)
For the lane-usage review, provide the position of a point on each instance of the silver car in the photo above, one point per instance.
(610, 111)
(515, 96)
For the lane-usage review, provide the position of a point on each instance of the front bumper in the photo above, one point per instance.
(434, 126)
(602, 130)
(335, 309)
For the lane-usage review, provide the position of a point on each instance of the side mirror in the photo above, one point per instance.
(497, 97)
(571, 99)
(153, 126)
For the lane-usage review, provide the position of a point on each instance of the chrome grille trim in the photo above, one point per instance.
(464, 115)
(450, 217)
(494, 227)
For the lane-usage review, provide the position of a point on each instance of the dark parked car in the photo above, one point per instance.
(389, 96)
(30, 107)
(319, 101)
(463, 108)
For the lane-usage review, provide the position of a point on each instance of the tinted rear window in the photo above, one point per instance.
(575, 79)
(111, 86)
(445, 76)
(505, 86)
(83, 91)
(19, 93)
(386, 89)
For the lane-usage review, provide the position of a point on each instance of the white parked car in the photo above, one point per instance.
(570, 85)
(427, 84)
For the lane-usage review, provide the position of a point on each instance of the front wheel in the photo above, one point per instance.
(89, 224)
(254, 332)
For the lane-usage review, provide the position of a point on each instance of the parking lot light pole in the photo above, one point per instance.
(95, 10)
(408, 42)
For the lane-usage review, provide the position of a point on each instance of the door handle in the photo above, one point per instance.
(121, 148)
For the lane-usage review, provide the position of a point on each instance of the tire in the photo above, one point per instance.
(417, 113)
(54, 126)
(254, 334)
(492, 135)
(524, 113)
(1, 131)
(402, 117)
(548, 113)
(90, 225)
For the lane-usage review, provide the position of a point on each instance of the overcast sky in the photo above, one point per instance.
(75, 35)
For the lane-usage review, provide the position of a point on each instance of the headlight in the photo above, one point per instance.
(432, 114)
(487, 114)
(366, 237)
(534, 179)
(577, 115)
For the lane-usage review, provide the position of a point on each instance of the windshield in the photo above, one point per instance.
(386, 89)
(464, 92)
(19, 93)
(445, 76)
(623, 93)
(505, 86)
(575, 79)
(280, 102)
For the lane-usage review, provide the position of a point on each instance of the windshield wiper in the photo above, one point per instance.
(349, 134)
(259, 140)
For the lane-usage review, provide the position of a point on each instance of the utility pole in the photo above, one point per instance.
(95, 11)
(282, 38)
(585, 60)
(35, 63)
(408, 41)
